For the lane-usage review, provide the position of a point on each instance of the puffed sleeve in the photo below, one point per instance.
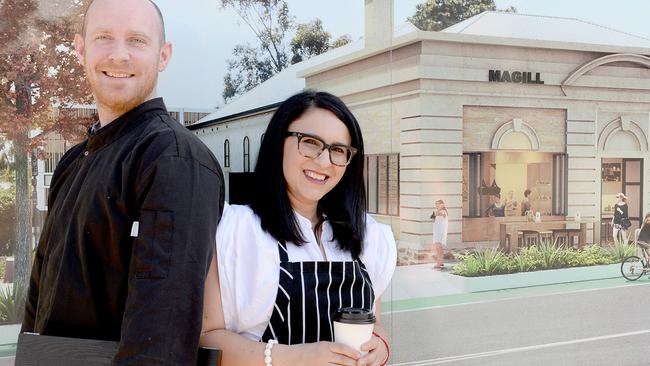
(248, 268)
(379, 254)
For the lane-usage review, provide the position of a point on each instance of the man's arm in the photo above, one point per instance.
(182, 202)
(31, 300)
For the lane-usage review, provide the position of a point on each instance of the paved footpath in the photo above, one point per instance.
(604, 322)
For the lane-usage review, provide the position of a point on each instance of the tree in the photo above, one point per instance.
(310, 40)
(341, 41)
(435, 15)
(39, 76)
(270, 21)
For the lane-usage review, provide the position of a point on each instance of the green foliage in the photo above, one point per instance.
(310, 40)
(553, 256)
(11, 309)
(341, 41)
(435, 15)
(271, 22)
(7, 219)
(483, 262)
(487, 262)
(528, 259)
(622, 250)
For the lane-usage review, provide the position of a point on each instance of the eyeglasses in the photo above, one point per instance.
(311, 147)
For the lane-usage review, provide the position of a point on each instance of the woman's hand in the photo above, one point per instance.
(319, 353)
(377, 352)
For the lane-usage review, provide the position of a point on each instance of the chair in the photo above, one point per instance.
(560, 236)
(573, 233)
(546, 236)
(529, 237)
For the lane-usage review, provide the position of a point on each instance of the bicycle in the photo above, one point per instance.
(633, 267)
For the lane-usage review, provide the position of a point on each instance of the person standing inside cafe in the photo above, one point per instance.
(620, 221)
(525, 203)
(132, 210)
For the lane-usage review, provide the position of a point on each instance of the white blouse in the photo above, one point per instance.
(249, 265)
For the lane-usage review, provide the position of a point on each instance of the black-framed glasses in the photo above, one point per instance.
(311, 147)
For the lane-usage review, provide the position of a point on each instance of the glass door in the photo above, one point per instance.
(633, 188)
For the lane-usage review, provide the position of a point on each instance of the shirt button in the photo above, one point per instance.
(86, 153)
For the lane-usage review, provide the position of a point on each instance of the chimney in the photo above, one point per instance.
(379, 23)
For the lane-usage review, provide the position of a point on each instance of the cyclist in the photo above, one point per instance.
(643, 240)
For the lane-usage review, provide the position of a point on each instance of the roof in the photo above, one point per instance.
(490, 24)
(279, 87)
(545, 28)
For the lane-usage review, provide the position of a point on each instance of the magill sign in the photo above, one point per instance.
(521, 77)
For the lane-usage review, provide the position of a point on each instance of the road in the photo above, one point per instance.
(608, 326)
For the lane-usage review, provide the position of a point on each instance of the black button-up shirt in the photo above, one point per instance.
(128, 240)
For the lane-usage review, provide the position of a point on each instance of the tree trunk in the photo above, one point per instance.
(23, 249)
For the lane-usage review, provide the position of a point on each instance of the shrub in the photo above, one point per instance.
(528, 259)
(483, 262)
(488, 262)
(621, 250)
(11, 310)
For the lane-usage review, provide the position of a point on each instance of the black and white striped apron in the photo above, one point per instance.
(308, 295)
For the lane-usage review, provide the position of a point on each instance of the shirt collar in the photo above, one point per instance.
(305, 225)
(98, 138)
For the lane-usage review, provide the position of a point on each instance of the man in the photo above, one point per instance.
(133, 209)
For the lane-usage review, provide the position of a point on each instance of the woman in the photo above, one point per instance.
(525, 204)
(620, 221)
(304, 248)
(440, 226)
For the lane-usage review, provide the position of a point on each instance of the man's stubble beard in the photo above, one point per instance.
(119, 106)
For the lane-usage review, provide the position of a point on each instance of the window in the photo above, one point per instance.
(51, 161)
(226, 154)
(494, 183)
(247, 155)
(382, 184)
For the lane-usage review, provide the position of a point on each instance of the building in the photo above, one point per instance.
(54, 146)
(475, 115)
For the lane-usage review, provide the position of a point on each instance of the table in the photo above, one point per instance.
(512, 228)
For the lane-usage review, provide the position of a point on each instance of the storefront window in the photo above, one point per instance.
(382, 184)
(494, 183)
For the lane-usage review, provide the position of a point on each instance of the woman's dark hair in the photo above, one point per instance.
(344, 206)
(527, 192)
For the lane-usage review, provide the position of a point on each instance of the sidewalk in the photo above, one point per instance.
(420, 280)
(420, 287)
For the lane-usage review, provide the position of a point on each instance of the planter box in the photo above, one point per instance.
(537, 278)
(9, 333)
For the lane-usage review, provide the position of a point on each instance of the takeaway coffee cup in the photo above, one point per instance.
(353, 326)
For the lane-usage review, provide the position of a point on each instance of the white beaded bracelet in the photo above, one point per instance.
(268, 360)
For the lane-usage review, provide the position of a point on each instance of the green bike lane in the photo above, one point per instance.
(388, 307)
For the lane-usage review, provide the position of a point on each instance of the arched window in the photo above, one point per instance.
(247, 155)
(226, 154)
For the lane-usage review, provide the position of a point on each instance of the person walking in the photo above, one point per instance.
(620, 221)
(440, 228)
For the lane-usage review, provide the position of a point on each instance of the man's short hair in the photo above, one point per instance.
(160, 16)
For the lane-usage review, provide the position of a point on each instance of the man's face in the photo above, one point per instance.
(122, 52)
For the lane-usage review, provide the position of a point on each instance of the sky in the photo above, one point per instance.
(203, 35)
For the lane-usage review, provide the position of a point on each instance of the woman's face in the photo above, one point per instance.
(308, 180)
